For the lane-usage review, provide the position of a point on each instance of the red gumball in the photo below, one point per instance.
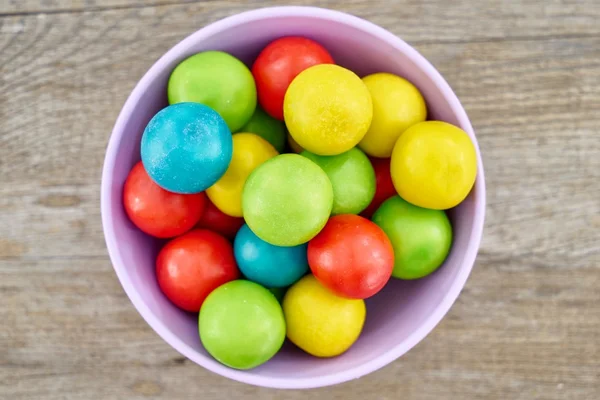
(156, 211)
(217, 221)
(191, 266)
(384, 187)
(279, 63)
(351, 256)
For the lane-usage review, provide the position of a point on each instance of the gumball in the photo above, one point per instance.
(351, 256)
(352, 178)
(434, 165)
(279, 63)
(421, 237)
(397, 104)
(320, 322)
(327, 109)
(215, 220)
(249, 151)
(267, 127)
(295, 147)
(266, 264)
(218, 80)
(241, 324)
(191, 266)
(186, 148)
(287, 200)
(384, 187)
(157, 212)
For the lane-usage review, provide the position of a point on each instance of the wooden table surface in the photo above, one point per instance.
(526, 326)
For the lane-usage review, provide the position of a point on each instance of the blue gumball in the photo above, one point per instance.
(186, 147)
(269, 265)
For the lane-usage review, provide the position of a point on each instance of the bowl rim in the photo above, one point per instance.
(247, 376)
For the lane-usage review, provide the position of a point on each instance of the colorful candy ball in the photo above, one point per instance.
(384, 187)
(157, 212)
(318, 321)
(267, 127)
(287, 200)
(421, 237)
(397, 104)
(327, 109)
(351, 256)
(241, 324)
(191, 266)
(434, 165)
(279, 63)
(266, 264)
(249, 151)
(215, 220)
(352, 178)
(186, 148)
(218, 80)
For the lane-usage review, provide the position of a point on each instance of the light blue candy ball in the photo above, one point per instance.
(186, 147)
(269, 265)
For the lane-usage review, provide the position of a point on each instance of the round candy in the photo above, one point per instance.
(279, 63)
(218, 80)
(191, 266)
(318, 321)
(421, 237)
(327, 109)
(249, 151)
(352, 177)
(351, 256)
(266, 264)
(267, 127)
(186, 148)
(384, 187)
(397, 104)
(434, 165)
(287, 200)
(214, 220)
(241, 324)
(157, 212)
(295, 147)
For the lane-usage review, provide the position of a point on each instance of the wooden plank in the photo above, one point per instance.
(518, 331)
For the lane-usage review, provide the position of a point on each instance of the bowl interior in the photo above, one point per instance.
(400, 315)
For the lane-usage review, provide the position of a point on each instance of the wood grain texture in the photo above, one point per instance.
(526, 325)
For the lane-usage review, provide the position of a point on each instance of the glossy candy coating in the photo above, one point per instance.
(279, 63)
(352, 178)
(318, 321)
(384, 187)
(215, 220)
(397, 104)
(186, 148)
(421, 237)
(191, 266)
(327, 109)
(434, 165)
(218, 80)
(241, 324)
(267, 127)
(157, 212)
(266, 264)
(287, 200)
(249, 151)
(351, 256)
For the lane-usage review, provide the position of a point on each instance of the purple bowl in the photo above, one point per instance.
(398, 317)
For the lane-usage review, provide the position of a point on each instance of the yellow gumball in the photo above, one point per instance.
(249, 151)
(327, 109)
(434, 165)
(397, 104)
(318, 321)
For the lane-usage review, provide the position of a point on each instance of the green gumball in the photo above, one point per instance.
(421, 237)
(218, 80)
(352, 177)
(267, 127)
(241, 324)
(287, 200)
